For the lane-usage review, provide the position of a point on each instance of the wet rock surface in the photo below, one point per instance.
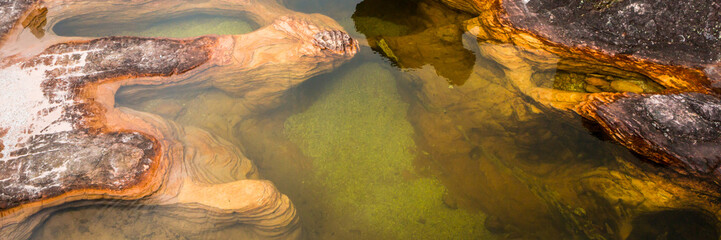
(58, 149)
(682, 130)
(65, 143)
(620, 63)
(668, 31)
(113, 57)
(634, 36)
(57, 163)
(336, 41)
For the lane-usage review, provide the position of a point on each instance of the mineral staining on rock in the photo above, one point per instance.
(607, 42)
(680, 130)
(361, 145)
(654, 33)
(10, 13)
(57, 163)
(64, 143)
(53, 142)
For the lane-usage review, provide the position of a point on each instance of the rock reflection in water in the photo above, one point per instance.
(194, 176)
(422, 32)
(506, 141)
(467, 134)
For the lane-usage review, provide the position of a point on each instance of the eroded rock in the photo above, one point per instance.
(520, 47)
(677, 32)
(53, 138)
(682, 130)
(62, 139)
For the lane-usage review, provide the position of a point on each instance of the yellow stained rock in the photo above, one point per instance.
(592, 89)
(596, 81)
(626, 86)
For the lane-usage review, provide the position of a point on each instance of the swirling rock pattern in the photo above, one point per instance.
(62, 139)
(674, 130)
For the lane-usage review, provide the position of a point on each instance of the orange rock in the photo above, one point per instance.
(511, 163)
(65, 140)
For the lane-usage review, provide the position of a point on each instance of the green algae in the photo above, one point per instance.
(176, 27)
(361, 145)
(193, 26)
(569, 81)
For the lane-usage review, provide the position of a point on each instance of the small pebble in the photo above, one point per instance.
(595, 81)
(592, 89)
(626, 86)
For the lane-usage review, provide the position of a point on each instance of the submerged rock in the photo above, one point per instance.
(653, 72)
(679, 130)
(64, 143)
(604, 39)
(626, 86)
(569, 82)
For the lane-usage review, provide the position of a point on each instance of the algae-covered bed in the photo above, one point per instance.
(362, 149)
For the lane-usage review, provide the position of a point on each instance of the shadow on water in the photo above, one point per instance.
(420, 136)
(417, 33)
(674, 225)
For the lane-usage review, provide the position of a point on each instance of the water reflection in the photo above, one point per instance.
(182, 26)
(424, 135)
(414, 34)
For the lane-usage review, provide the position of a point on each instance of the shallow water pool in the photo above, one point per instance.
(420, 136)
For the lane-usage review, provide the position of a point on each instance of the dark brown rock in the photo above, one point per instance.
(668, 31)
(679, 130)
(64, 142)
(113, 57)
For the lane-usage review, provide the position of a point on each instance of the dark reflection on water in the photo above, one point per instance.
(417, 33)
(674, 224)
(420, 136)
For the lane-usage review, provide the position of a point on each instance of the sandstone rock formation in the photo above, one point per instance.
(607, 39)
(536, 70)
(64, 143)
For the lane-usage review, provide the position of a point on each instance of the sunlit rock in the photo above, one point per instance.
(64, 143)
(509, 139)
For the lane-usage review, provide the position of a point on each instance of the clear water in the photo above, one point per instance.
(364, 154)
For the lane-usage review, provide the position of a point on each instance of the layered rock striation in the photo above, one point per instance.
(63, 140)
